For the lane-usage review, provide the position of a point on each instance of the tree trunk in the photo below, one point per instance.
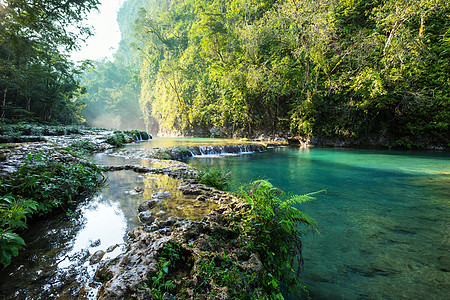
(422, 25)
(308, 78)
(28, 103)
(4, 103)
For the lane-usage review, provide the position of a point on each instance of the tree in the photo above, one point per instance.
(36, 77)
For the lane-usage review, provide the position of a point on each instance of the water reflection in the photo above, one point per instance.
(56, 262)
(159, 142)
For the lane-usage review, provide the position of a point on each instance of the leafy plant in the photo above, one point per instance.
(274, 225)
(183, 152)
(117, 139)
(170, 259)
(84, 146)
(10, 244)
(253, 254)
(137, 135)
(215, 178)
(41, 185)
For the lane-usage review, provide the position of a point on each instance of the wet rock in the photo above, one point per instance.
(162, 195)
(194, 189)
(153, 227)
(112, 248)
(146, 217)
(202, 198)
(167, 223)
(147, 205)
(122, 275)
(253, 265)
(96, 257)
(138, 189)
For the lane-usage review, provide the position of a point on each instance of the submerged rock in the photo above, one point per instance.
(96, 257)
(138, 189)
(162, 195)
(147, 205)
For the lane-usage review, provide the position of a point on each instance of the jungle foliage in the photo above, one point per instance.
(37, 79)
(333, 68)
(41, 185)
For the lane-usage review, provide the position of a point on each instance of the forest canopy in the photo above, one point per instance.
(346, 69)
(37, 79)
(314, 68)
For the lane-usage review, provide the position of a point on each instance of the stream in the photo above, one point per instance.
(384, 221)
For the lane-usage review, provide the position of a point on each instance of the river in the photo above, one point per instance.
(384, 221)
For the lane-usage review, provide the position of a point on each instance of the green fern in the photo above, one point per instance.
(276, 227)
(10, 244)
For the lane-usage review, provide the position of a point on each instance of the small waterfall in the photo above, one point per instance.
(182, 152)
(222, 150)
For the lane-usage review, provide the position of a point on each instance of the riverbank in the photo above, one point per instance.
(50, 173)
(375, 142)
(237, 251)
(379, 140)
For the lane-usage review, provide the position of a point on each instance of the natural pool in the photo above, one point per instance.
(384, 219)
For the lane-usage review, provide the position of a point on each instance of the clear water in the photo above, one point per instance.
(384, 219)
(384, 222)
(159, 142)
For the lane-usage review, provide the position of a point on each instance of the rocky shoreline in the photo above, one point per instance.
(125, 275)
(18, 149)
(376, 142)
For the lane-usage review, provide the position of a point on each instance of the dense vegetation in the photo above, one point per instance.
(215, 178)
(345, 69)
(41, 185)
(37, 79)
(269, 226)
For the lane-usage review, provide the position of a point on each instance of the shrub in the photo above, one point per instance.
(214, 178)
(84, 146)
(117, 139)
(137, 135)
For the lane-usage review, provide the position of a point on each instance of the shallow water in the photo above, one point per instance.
(384, 219)
(159, 142)
(55, 263)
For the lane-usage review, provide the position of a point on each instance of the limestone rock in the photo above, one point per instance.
(147, 205)
(96, 257)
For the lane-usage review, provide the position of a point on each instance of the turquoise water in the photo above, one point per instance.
(384, 219)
